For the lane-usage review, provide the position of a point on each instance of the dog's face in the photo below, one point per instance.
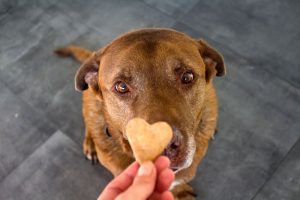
(157, 75)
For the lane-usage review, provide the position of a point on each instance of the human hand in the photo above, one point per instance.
(148, 181)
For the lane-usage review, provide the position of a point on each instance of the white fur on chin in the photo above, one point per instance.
(190, 154)
(188, 161)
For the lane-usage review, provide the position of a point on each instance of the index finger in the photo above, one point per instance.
(120, 183)
(162, 163)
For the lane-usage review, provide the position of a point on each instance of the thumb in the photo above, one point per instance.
(143, 184)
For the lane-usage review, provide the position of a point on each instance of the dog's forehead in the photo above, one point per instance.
(149, 35)
(150, 45)
(150, 41)
(144, 51)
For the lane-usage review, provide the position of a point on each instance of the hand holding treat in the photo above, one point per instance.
(147, 141)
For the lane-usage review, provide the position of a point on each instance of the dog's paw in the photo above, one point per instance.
(184, 192)
(186, 195)
(89, 150)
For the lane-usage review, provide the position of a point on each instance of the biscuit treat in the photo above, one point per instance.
(147, 141)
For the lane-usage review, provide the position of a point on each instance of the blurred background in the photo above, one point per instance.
(256, 153)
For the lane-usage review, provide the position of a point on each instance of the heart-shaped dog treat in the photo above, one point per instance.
(147, 141)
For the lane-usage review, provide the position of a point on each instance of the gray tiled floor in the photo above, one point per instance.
(286, 178)
(262, 31)
(256, 152)
(22, 130)
(53, 171)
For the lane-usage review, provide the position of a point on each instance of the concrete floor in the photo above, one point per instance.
(256, 154)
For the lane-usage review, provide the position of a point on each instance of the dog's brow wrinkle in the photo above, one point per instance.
(181, 66)
(124, 76)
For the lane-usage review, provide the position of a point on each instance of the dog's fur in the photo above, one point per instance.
(151, 62)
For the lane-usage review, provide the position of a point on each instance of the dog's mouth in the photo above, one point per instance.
(180, 153)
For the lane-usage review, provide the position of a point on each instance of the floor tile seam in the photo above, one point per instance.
(91, 27)
(6, 13)
(15, 8)
(35, 150)
(260, 189)
(26, 158)
(249, 61)
(165, 13)
(51, 124)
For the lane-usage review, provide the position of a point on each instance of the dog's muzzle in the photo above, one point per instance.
(180, 151)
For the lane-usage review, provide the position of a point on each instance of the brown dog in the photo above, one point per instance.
(157, 75)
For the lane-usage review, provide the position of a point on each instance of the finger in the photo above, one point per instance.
(164, 180)
(167, 195)
(143, 184)
(161, 163)
(120, 183)
(124, 180)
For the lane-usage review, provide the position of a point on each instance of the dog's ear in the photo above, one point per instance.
(213, 60)
(87, 75)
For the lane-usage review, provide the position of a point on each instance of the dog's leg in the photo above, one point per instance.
(184, 192)
(89, 148)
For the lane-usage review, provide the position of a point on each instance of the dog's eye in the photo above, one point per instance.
(121, 87)
(187, 77)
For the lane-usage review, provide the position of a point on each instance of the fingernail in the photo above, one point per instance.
(145, 169)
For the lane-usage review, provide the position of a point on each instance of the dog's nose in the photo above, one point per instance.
(177, 138)
(174, 146)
